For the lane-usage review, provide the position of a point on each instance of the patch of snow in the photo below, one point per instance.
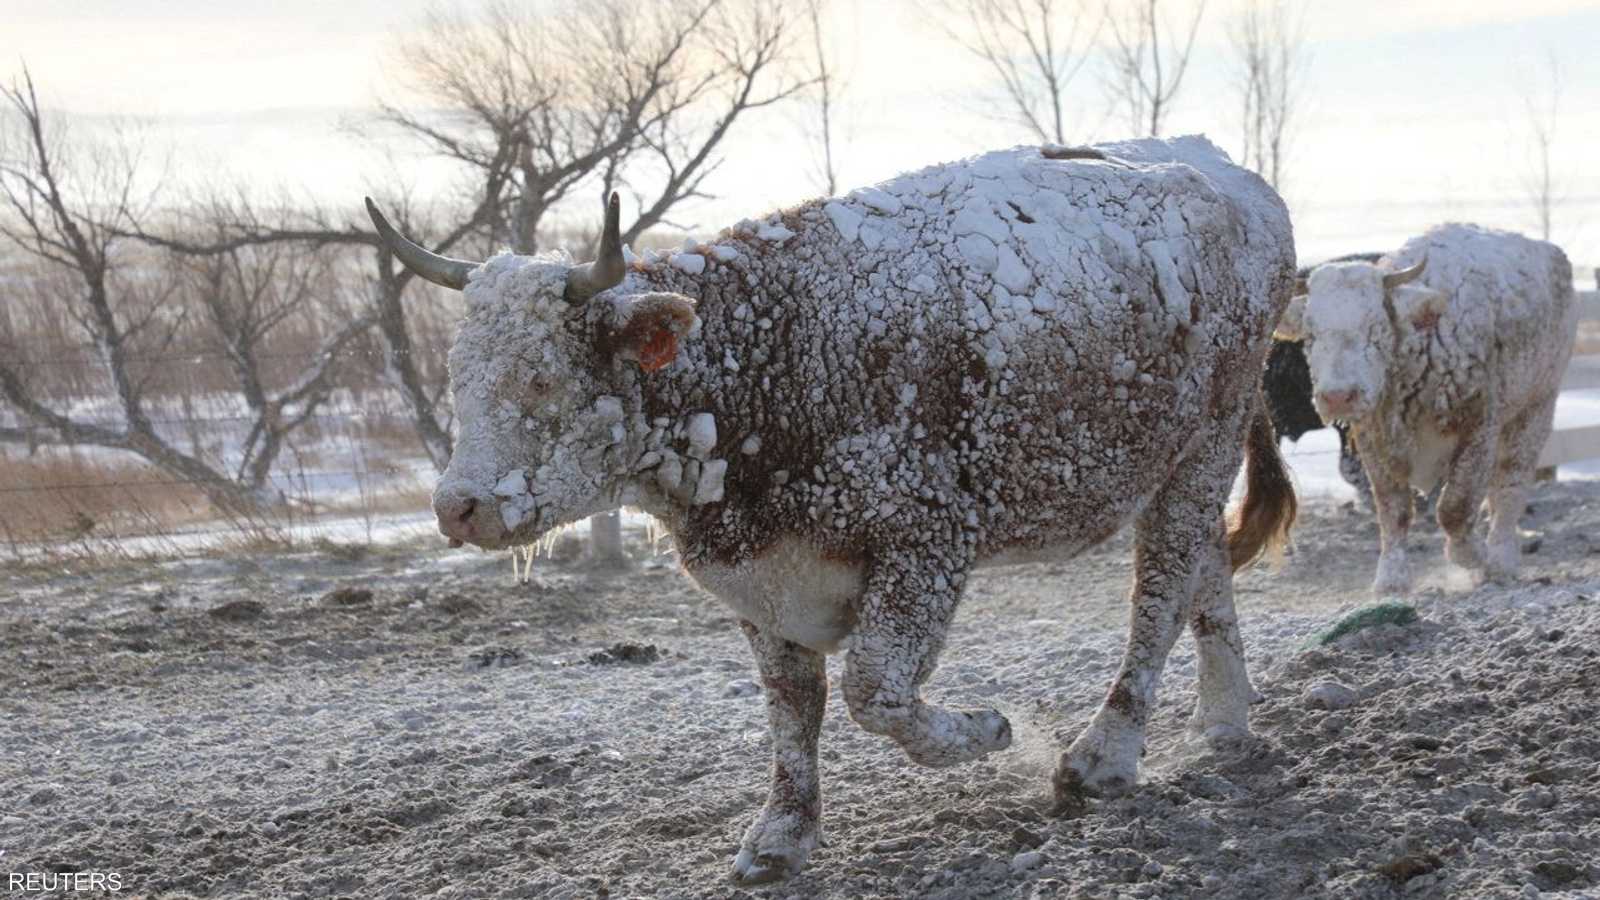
(702, 435)
(692, 263)
(774, 233)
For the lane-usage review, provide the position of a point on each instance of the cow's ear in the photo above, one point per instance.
(1292, 326)
(1419, 306)
(651, 328)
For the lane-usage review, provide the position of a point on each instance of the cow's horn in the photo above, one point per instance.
(441, 270)
(1393, 280)
(608, 267)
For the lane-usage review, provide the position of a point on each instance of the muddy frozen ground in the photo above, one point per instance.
(409, 723)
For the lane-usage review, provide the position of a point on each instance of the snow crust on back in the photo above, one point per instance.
(991, 286)
(1046, 312)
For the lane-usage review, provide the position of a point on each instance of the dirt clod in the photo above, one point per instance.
(626, 652)
(347, 596)
(1402, 869)
(239, 611)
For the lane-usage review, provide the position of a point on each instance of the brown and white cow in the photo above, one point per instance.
(840, 410)
(1445, 359)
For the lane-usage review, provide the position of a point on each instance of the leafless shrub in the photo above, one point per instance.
(68, 207)
(544, 104)
(1036, 48)
(827, 84)
(1149, 56)
(1541, 94)
(1268, 43)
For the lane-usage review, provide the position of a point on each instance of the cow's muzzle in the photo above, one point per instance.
(467, 518)
(1340, 405)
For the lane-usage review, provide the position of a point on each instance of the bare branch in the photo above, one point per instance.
(1541, 96)
(1035, 48)
(1268, 43)
(1147, 72)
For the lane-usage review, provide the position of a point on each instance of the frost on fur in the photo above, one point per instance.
(840, 410)
(1449, 379)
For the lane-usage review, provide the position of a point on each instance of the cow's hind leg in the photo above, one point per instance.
(905, 610)
(1462, 496)
(1222, 710)
(784, 833)
(1178, 539)
(1521, 444)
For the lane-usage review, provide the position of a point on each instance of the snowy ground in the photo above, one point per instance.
(264, 726)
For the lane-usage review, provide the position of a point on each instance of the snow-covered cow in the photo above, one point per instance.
(1286, 384)
(1445, 358)
(841, 409)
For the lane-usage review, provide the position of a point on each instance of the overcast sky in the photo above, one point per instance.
(1412, 115)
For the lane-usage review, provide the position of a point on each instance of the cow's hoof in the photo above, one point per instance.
(1219, 735)
(1094, 766)
(751, 868)
(1503, 562)
(776, 846)
(1393, 578)
(965, 736)
(1467, 553)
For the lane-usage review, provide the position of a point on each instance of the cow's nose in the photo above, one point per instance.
(455, 516)
(1338, 403)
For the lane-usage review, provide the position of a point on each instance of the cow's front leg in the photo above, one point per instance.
(1462, 496)
(784, 833)
(1350, 468)
(905, 610)
(1391, 494)
(1175, 537)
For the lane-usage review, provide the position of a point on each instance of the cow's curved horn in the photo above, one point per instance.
(608, 267)
(1395, 279)
(441, 270)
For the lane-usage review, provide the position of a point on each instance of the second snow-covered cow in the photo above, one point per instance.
(843, 408)
(1445, 359)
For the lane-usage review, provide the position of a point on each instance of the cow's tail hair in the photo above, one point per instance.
(1259, 525)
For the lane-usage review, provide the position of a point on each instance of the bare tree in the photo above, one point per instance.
(1146, 65)
(826, 87)
(1268, 43)
(1541, 103)
(245, 294)
(1035, 47)
(385, 287)
(570, 100)
(68, 210)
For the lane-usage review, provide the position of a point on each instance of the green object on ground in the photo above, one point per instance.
(1366, 617)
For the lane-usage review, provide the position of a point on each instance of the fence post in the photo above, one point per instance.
(605, 540)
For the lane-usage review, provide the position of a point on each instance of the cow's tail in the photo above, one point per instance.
(1261, 522)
